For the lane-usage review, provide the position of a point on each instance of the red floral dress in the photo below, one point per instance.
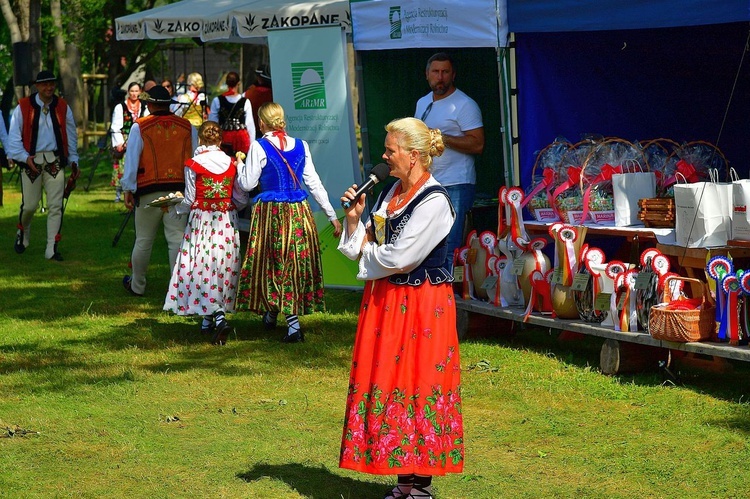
(205, 276)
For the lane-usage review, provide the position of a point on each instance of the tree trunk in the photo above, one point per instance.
(19, 30)
(12, 20)
(35, 33)
(69, 61)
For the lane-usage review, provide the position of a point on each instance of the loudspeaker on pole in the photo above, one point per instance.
(22, 72)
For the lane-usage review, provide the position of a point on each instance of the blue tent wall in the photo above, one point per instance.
(591, 15)
(635, 84)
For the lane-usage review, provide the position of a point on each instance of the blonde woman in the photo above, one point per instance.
(403, 411)
(192, 104)
(282, 272)
(204, 278)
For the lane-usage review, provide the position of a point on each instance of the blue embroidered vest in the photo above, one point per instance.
(432, 268)
(276, 181)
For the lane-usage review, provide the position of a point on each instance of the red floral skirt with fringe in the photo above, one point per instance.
(403, 410)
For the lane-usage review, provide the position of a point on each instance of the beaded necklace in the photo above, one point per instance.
(395, 203)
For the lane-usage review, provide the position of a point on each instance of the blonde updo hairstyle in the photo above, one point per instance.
(272, 114)
(195, 80)
(413, 135)
(209, 133)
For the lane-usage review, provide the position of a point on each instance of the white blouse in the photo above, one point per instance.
(430, 223)
(118, 120)
(249, 175)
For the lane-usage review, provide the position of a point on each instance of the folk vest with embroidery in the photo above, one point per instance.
(276, 181)
(167, 145)
(31, 111)
(213, 191)
(432, 268)
(231, 115)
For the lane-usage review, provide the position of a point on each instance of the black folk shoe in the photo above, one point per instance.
(296, 337)
(18, 244)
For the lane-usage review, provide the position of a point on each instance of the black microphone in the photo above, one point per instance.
(378, 173)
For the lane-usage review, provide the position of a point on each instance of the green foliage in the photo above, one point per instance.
(6, 55)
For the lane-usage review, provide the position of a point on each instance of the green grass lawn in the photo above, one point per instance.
(105, 395)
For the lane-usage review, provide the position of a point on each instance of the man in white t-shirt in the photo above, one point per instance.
(459, 119)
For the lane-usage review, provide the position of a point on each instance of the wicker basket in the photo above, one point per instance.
(656, 151)
(541, 207)
(572, 200)
(657, 212)
(683, 325)
(624, 154)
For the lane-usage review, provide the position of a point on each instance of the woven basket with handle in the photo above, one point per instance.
(683, 325)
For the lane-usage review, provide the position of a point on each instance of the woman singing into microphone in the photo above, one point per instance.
(403, 410)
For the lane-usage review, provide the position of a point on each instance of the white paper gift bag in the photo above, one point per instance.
(703, 214)
(628, 188)
(740, 213)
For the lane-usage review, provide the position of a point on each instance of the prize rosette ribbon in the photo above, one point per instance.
(717, 269)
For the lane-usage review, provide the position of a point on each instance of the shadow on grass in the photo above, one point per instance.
(315, 482)
(739, 421)
(584, 352)
(71, 362)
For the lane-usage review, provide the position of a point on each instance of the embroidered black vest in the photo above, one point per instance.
(231, 116)
(432, 268)
(127, 119)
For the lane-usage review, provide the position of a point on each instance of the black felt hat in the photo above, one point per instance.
(158, 95)
(44, 76)
(264, 71)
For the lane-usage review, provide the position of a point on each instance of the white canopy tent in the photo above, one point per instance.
(244, 21)
(256, 21)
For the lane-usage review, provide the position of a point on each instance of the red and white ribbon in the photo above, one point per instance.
(466, 291)
(629, 309)
(594, 256)
(567, 235)
(501, 200)
(488, 241)
(647, 256)
(517, 228)
(619, 289)
(535, 247)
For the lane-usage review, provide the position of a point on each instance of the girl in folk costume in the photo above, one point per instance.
(282, 270)
(123, 116)
(234, 113)
(192, 103)
(204, 278)
(403, 410)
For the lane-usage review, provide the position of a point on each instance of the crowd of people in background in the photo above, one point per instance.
(187, 166)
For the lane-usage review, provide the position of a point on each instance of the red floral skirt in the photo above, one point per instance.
(403, 411)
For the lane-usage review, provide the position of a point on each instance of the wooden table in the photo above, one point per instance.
(720, 350)
(692, 262)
